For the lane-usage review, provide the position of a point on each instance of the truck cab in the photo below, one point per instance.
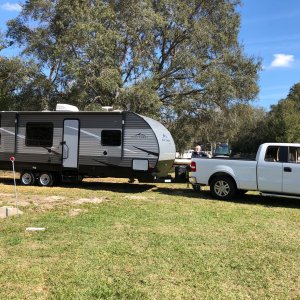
(278, 168)
(274, 172)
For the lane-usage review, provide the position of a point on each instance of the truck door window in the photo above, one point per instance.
(272, 154)
(294, 155)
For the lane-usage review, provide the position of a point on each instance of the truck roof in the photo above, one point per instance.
(282, 144)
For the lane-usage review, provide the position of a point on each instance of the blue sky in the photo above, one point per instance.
(270, 30)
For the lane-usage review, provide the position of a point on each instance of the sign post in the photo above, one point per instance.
(12, 159)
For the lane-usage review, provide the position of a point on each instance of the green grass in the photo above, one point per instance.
(148, 242)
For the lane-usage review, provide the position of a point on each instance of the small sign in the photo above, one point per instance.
(12, 158)
(35, 229)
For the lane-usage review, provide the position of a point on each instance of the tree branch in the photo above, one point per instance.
(192, 92)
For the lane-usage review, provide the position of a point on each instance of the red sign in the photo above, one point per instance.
(12, 158)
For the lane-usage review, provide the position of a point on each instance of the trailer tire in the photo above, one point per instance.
(45, 179)
(223, 188)
(27, 178)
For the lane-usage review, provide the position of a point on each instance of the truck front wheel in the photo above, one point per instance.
(223, 188)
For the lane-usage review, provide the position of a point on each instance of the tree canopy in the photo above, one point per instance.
(280, 124)
(284, 118)
(176, 60)
(22, 85)
(148, 56)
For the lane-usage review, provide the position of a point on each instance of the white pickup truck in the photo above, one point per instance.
(274, 172)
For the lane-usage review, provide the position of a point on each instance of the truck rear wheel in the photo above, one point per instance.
(223, 188)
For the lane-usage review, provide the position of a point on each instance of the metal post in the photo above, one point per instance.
(12, 159)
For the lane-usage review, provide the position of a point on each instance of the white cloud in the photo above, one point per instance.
(282, 60)
(11, 6)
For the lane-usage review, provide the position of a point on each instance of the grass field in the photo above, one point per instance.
(114, 240)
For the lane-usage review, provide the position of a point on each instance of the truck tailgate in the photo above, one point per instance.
(243, 171)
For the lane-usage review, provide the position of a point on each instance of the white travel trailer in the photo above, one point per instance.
(69, 145)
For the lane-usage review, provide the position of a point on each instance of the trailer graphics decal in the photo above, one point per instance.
(140, 136)
(165, 138)
(149, 152)
(105, 163)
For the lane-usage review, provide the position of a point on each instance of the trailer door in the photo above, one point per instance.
(70, 143)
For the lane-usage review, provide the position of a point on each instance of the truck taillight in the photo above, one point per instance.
(193, 166)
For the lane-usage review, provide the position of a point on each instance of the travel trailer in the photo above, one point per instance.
(69, 145)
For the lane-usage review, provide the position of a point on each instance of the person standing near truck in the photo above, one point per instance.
(198, 153)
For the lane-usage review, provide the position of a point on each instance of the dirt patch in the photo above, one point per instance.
(120, 226)
(54, 198)
(136, 197)
(76, 211)
(6, 195)
(90, 200)
(44, 203)
(10, 199)
(47, 203)
(107, 179)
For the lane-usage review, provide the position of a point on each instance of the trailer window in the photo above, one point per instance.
(111, 137)
(39, 134)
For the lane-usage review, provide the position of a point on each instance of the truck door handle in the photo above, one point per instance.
(287, 169)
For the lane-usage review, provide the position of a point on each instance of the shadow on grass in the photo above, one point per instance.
(112, 186)
(94, 186)
(248, 199)
(169, 190)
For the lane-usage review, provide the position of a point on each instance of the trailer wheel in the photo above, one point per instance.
(46, 179)
(223, 188)
(27, 178)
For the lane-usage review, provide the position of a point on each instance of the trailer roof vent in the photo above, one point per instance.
(66, 107)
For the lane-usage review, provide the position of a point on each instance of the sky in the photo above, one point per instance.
(270, 30)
